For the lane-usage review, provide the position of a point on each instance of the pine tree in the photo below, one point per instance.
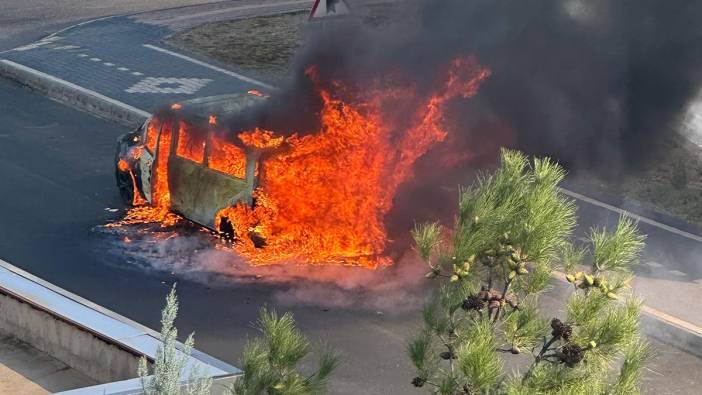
(170, 362)
(513, 229)
(270, 362)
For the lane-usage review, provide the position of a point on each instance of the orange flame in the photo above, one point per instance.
(159, 210)
(226, 157)
(122, 165)
(256, 92)
(261, 139)
(324, 197)
(191, 144)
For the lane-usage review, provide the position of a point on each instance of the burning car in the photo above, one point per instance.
(316, 197)
(203, 173)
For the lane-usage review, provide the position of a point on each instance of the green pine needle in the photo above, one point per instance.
(617, 251)
(270, 361)
(427, 238)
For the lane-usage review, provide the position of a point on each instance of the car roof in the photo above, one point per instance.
(221, 105)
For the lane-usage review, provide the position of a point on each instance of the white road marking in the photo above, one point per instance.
(108, 64)
(123, 68)
(82, 55)
(632, 215)
(657, 314)
(37, 44)
(79, 88)
(212, 67)
(55, 35)
(95, 59)
(66, 47)
(137, 73)
(186, 86)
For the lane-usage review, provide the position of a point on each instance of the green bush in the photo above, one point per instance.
(270, 362)
(512, 231)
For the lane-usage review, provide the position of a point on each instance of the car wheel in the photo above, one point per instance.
(226, 230)
(126, 186)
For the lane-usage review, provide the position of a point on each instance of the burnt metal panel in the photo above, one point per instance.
(183, 183)
(216, 191)
(146, 162)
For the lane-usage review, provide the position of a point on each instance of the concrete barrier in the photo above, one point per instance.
(85, 351)
(97, 342)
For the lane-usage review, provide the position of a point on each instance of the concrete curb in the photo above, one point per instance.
(73, 95)
(672, 334)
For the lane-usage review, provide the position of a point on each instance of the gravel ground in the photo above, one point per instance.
(262, 45)
(670, 183)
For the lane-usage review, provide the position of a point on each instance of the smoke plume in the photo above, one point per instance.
(592, 83)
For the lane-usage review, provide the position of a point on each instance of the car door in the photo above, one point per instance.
(184, 169)
(150, 136)
(222, 180)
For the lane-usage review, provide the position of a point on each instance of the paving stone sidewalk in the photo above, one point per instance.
(123, 58)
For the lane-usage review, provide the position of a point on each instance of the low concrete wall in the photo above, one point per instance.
(76, 347)
(97, 342)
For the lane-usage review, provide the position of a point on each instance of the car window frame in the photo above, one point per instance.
(208, 151)
(176, 143)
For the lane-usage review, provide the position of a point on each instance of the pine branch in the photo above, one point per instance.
(270, 361)
(512, 227)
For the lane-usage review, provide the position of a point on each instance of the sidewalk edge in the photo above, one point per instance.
(73, 95)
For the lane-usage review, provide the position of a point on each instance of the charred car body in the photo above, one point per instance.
(202, 170)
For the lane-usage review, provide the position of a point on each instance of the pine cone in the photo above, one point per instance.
(567, 332)
(561, 330)
(418, 382)
(556, 323)
(572, 354)
(512, 303)
(473, 302)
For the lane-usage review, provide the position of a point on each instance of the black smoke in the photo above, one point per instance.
(595, 84)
